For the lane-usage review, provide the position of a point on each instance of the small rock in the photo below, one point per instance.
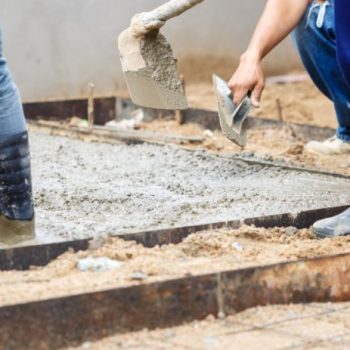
(208, 134)
(291, 231)
(128, 124)
(98, 264)
(97, 242)
(211, 341)
(86, 346)
(169, 334)
(221, 315)
(138, 276)
(237, 246)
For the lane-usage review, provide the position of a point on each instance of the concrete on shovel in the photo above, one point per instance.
(147, 59)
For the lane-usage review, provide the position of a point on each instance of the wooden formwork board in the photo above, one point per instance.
(71, 320)
(21, 258)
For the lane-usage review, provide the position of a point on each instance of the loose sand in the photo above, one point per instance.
(200, 253)
(297, 327)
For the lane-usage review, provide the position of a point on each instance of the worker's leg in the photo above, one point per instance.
(315, 40)
(16, 204)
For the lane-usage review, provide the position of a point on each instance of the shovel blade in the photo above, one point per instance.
(231, 117)
(147, 92)
(150, 71)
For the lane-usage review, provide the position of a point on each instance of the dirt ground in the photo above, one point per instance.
(300, 102)
(294, 327)
(200, 253)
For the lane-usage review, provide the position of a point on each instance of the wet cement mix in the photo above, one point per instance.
(84, 189)
(125, 263)
(315, 326)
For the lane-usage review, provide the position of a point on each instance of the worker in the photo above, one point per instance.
(314, 25)
(16, 202)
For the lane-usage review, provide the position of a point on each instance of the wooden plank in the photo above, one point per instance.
(22, 258)
(105, 134)
(71, 320)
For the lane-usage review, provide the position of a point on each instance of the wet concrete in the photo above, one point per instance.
(83, 189)
(150, 70)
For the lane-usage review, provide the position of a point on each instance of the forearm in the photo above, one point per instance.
(278, 20)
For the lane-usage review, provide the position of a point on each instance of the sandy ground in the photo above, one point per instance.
(275, 144)
(200, 253)
(85, 189)
(294, 327)
(301, 102)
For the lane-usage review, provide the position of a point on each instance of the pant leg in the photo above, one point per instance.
(342, 20)
(16, 202)
(11, 113)
(316, 42)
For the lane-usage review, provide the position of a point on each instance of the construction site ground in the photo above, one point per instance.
(292, 327)
(69, 169)
(200, 253)
(299, 102)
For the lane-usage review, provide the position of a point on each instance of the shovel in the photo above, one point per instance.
(232, 117)
(149, 66)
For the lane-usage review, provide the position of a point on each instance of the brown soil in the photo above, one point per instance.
(200, 253)
(315, 326)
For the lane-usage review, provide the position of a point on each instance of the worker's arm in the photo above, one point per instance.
(279, 18)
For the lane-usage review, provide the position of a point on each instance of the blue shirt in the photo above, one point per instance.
(342, 24)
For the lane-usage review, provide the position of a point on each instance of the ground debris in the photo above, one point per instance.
(200, 253)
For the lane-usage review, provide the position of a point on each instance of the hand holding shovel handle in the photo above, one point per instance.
(146, 22)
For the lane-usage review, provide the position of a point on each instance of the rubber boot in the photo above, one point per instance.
(16, 200)
(335, 226)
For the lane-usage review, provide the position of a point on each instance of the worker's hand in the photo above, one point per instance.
(248, 77)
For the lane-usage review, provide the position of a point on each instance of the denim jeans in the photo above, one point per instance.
(12, 120)
(316, 42)
(16, 201)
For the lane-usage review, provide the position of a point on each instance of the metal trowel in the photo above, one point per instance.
(231, 116)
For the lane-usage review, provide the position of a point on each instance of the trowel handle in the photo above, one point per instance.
(157, 18)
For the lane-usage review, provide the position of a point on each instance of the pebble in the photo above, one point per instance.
(291, 231)
(138, 276)
(102, 264)
(237, 246)
(208, 134)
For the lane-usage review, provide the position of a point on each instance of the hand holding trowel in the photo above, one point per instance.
(232, 117)
(147, 59)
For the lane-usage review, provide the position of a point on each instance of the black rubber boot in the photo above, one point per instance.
(16, 200)
(335, 226)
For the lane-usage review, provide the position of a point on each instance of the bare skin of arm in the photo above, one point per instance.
(278, 20)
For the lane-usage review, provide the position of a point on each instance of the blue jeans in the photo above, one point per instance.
(316, 42)
(12, 120)
(16, 201)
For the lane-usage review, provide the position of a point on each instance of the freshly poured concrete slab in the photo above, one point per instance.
(85, 189)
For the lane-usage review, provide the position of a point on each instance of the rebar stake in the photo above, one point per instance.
(91, 107)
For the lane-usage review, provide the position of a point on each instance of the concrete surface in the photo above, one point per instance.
(56, 47)
(83, 189)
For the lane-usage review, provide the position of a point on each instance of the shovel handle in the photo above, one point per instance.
(146, 22)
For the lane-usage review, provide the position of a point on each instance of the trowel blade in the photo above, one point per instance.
(231, 116)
